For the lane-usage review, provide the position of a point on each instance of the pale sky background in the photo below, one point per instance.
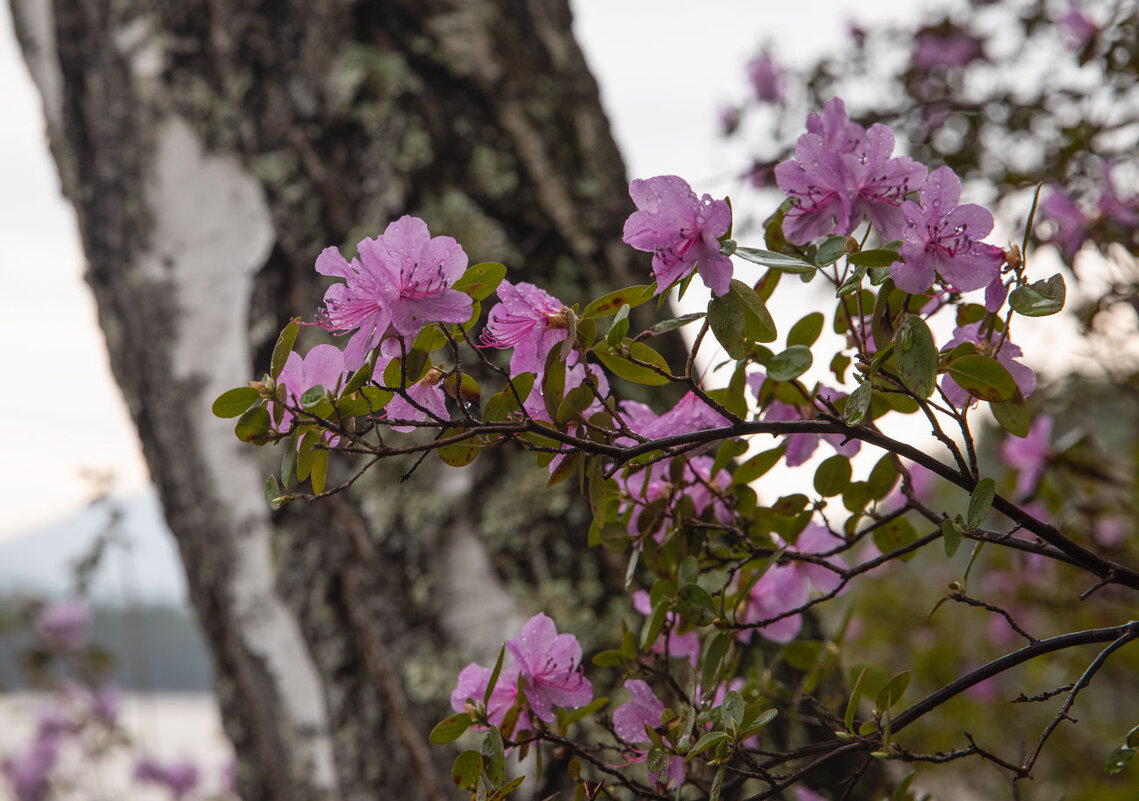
(665, 68)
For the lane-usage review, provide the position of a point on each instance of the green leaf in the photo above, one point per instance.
(273, 493)
(319, 470)
(620, 326)
(1012, 415)
(283, 348)
(567, 718)
(831, 250)
(466, 770)
(235, 402)
(1040, 298)
(713, 657)
(807, 330)
(1118, 759)
(852, 704)
(710, 739)
(732, 711)
(790, 364)
(983, 377)
(882, 478)
(777, 261)
(696, 604)
(757, 465)
(623, 368)
(1132, 739)
(480, 280)
(450, 729)
(858, 404)
(609, 304)
(916, 356)
(893, 691)
(897, 533)
(852, 284)
(664, 326)
(726, 316)
(981, 502)
(832, 476)
(653, 624)
(952, 536)
(312, 396)
(614, 537)
(873, 258)
(430, 338)
(253, 426)
(758, 324)
(494, 756)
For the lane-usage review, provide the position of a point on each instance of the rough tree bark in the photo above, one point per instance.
(211, 149)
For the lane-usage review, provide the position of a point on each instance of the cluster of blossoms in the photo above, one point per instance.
(406, 288)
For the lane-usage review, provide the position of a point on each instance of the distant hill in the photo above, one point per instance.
(144, 569)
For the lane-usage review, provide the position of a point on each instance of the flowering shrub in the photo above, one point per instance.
(723, 577)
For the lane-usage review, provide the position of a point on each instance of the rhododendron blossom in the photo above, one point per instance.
(681, 230)
(801, 446)
(322, 366)
(402, 280)
(943, 238)
(842, 173)
(531, 321)
(630, 719)
(472, 684)
(550, 667)
(768, 81)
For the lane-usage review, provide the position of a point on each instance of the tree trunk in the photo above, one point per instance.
(212, 148)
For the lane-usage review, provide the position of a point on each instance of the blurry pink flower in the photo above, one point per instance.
(1071, 223)
(943, 49)
(64, 626)
(1110, 531)
(529, 320)
(681, 230)
(768, 81)
(1029, 455)
(801, 446)
(29, 772)
(179, 777)
(1077, 28)
(401, 280)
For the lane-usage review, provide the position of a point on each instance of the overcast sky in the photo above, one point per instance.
(665, 67)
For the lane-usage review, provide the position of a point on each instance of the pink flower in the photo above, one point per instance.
(427, 392)
(529, 320)
(630, 719)
(29, 772)
(179, 777)
(535, 403)
(941, 49)
(943, 238)
(690, 414)
(800, 447)
(322, 366)
(472, 684)
(1022, 374)
(686, 644)
(1029, 455)
(1071, 223)
(1077, 27)
(402, 280)
(550, 667)
(786, 587)
(680, 230)
(842, 173)
(64, 626)
(768, 81)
